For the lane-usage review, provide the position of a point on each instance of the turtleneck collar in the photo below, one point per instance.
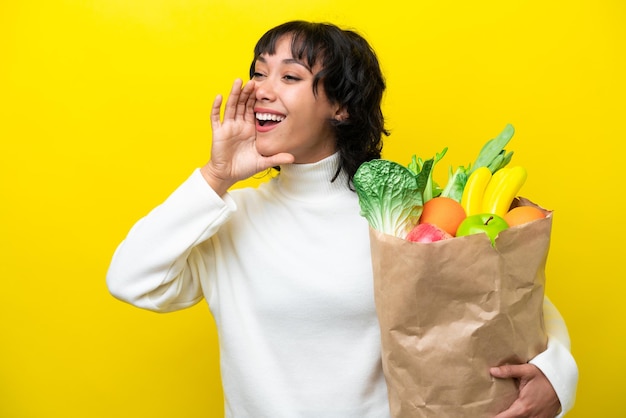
(312, 181)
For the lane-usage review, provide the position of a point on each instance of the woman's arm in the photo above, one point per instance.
(557, 362)
(548, 383)
(153, 267)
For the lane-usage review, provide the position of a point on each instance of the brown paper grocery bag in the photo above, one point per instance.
(451, 309)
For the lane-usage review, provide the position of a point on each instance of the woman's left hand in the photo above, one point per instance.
(537, 398)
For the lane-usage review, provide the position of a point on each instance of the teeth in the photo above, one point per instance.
(269, 116)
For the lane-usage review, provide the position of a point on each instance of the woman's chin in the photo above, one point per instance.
(266, 149)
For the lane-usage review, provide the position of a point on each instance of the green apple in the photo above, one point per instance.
(487, 223)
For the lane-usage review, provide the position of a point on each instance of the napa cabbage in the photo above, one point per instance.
(391, 195)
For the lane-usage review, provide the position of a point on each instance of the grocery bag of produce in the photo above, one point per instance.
(453, 303)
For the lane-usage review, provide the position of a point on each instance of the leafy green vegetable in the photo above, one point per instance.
(416, 165)
(425, 176)
(390, 195)
(492, 155)
(456, 183)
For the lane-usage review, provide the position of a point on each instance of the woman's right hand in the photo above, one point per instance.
(234, 156)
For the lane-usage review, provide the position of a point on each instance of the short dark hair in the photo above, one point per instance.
(350, 76)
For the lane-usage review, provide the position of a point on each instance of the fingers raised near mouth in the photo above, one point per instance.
(232, 103)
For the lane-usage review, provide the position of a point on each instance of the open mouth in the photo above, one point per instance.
(269, 118)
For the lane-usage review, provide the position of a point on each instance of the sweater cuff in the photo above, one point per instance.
(200, 185)
(559, 367)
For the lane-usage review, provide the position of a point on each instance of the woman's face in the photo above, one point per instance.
(289, 117)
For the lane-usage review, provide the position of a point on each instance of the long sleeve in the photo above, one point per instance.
(285, 272)
(151, 268)
(557, 362)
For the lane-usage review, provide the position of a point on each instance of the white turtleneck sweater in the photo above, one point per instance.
(285, 269)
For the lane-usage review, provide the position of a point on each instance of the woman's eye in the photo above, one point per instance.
(290, 77)
(257, 75)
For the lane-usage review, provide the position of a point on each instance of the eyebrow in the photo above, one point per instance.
(286, 61)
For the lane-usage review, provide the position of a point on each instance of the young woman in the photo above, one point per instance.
(285, 267)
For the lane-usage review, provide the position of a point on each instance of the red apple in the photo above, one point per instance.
(426, 232)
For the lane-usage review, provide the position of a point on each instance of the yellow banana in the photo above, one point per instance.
(472, 199)
(494, 183)
(504, 191)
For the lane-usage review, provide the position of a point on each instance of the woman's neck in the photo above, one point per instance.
(313, 181)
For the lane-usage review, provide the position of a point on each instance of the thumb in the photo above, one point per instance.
(278, 159)
(506, 371)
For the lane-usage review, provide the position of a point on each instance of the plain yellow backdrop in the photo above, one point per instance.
(104, 111)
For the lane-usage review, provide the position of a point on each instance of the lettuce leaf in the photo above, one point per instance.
(391, 195)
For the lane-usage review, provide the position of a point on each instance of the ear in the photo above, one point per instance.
(341, 114)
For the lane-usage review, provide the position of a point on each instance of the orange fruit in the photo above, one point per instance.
(443, 212)
(522, 214)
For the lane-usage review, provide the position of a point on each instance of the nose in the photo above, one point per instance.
(265, 90)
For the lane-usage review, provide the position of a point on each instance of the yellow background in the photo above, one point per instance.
(104, 111)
